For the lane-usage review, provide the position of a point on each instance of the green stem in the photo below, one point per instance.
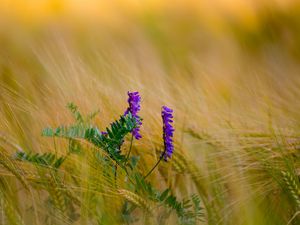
(160, 158)
(116, 167)
(128, 154)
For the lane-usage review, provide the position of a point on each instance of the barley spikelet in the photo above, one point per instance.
(137, 200)
(197, 177)
(292, 186)
(57, 195)
(11, 213)
(12, 167)
(178, 162)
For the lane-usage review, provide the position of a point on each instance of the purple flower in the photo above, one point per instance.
(134, 100)
(168, 131)
(104, 133)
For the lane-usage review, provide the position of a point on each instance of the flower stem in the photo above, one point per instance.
(160, 158)
(116, 167)
(128, 154)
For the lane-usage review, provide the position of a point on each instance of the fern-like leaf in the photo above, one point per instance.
(45, 159)
(111, 143)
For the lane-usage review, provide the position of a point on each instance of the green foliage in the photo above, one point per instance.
(110, 142)
(74, 110)
(188, 210)
(45, 159)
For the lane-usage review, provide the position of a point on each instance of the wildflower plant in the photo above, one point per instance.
(168, 132)
(136, 191)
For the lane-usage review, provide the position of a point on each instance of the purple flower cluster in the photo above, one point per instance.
(168, 131)
(134, 100)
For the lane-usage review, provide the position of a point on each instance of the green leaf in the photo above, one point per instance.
(74, 110)
(46, 159)
(164, 195)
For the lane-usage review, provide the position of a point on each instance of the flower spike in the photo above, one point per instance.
(134, 100)
(168, 132)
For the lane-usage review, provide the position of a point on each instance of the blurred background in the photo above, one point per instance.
(226, 67)
(228, 60)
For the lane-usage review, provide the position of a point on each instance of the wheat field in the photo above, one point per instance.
(230, 70)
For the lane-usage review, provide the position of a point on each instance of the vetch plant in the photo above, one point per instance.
(168, 132)
(136, 191)
(134, 101)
